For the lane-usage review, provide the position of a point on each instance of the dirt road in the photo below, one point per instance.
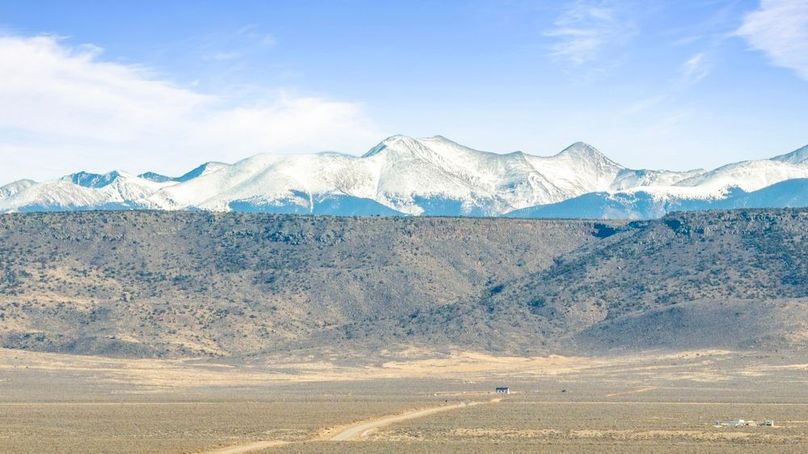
(359, 430)
(355, 431)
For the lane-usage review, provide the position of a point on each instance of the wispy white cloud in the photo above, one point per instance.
(691, 71)
(224, 55)
(586, 29)
(695, 69)
(642, 105)
(236, 44)
(64, 107)
(662, 111)
(254, 33)
(779, 28)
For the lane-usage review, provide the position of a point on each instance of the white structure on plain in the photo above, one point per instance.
(745, 423)
(503, 390)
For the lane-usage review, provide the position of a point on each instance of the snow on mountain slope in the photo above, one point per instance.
(413, 176)
(641, 204)
(747, 175)
(631, 178)
(798, 156)
(118, 191)
(785, 194)
(92, 180)
(13, 188)
(578, 169)
(427, 176)
(204, 169)
(415, 171)
(271, 180)
(155, 177)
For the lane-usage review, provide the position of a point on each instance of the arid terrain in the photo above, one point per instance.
(426, 402)
(179, 284)
(233, 333)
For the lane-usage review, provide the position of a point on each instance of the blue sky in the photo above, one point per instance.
(165, 85)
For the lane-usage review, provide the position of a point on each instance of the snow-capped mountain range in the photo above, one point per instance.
(428, 176)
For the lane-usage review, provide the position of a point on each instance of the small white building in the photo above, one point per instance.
(744, 423)
(741, 423)
(503, 390)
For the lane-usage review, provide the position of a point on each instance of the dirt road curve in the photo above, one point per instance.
(358, 430)
(355, 431)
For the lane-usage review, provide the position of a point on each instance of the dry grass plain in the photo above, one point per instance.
(632, 403)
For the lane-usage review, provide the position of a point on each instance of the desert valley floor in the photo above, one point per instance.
(417, 402)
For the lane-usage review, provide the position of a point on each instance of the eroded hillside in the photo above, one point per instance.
(187, 284)
(179, 283)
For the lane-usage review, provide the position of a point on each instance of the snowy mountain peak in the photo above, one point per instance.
(584, 151)
(204, 169)
(155, 177)
(93, 180)
(401, 143)
(397, 141)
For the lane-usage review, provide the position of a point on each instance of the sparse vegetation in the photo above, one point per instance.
(631, 403)
(166, 284)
